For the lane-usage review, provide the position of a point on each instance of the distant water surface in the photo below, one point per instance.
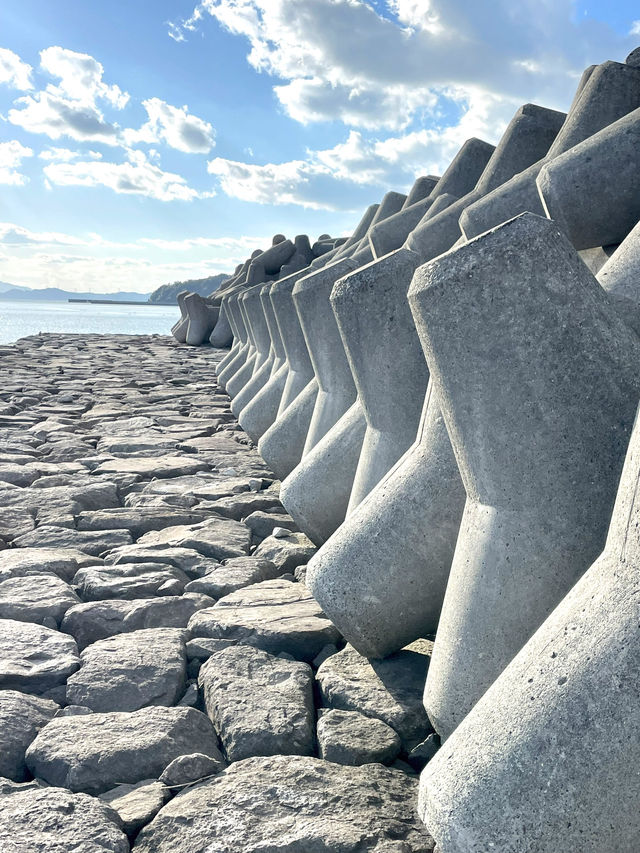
(19, 319)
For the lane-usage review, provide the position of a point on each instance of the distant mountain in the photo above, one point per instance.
(167, 293)
(55, 294)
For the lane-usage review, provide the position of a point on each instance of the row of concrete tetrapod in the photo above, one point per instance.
(449, 395)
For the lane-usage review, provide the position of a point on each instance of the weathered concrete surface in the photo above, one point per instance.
(605, 167)
(521, 773)
(606, 93)
(534, 358)
(620, 277)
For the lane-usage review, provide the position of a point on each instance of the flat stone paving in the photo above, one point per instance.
(131, 503)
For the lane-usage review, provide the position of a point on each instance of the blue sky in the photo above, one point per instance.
(144, 142)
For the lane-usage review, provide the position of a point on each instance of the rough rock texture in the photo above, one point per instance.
(219, 538)
(187, 769)
(288, 552)
(34, 659)
(276, 616)
(52, 820)
(129, 580)
(97, 620)
(35, 598)
(63, 562)
(96, 752)
(258, 703)
(389, 689)
(348, 737)
(136, 805)
(129, 671)
(235, 574)
(21, 718)
(315, 806)
(91, 542)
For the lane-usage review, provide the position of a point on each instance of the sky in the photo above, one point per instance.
(148, 141)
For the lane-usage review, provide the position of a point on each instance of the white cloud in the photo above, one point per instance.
(635, 29)
(14, 71)
(342, 59)
(340, 178)
(11, 156)
(80, 77)
(174, 126)
(70, 107)
(65, 155)
(136, 176)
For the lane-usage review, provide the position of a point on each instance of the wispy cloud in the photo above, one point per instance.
(175, 126)
(14, 71)
(11, 156)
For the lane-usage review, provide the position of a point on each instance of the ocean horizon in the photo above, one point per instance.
(19, 319)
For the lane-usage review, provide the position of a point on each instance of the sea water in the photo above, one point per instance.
(19, 319)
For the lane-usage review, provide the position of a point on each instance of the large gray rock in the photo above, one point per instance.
(137, 521)
(348, 737)
(21, 718)
(535, 358)
(620, 277)
(91, 542)
(287, 552)
(34, 659)
(136, 805)
(129, 580)
(389, 690)
(161, 467)
(258, 703)
(93, 753)
(63, 562)
(52, 820)
(235, 574)
(292, 803)
(219, 538)
(129, 671)
(35, 598)
(549, 755)
(275, 616)
(97, 620)
(191, 563)
(188, 769)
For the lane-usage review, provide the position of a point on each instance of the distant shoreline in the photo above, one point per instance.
(118, 302)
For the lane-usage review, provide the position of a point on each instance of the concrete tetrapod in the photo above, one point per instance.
(530, 131)
(539, 386)
(202, 315)
(460, 178)
(381, 577)
(422, 188)
(315, 499)
(527, 138)
(548, 759)
(179, 329)
(336, 387)
(222, 334)
(620, 277)
(283, 443)
(606, 167)
(605, 94)
(386, 362)
(254, 313)
(261, 411)
(244, 349)
(236, 381)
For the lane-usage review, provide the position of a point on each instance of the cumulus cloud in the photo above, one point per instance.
(175, 126)
(386, 67)
(350, 173)
(14, 71)
(635, 29)
(135, 176)
(70, 106)
(11, 156)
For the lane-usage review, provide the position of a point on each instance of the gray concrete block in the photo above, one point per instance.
(605, 94)
(282, 444)
(539, 386)
(620, 277)
(381, 577)
(605, 167)
(548, 758)
(202, 317)
(422, 188)
(386, 360)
